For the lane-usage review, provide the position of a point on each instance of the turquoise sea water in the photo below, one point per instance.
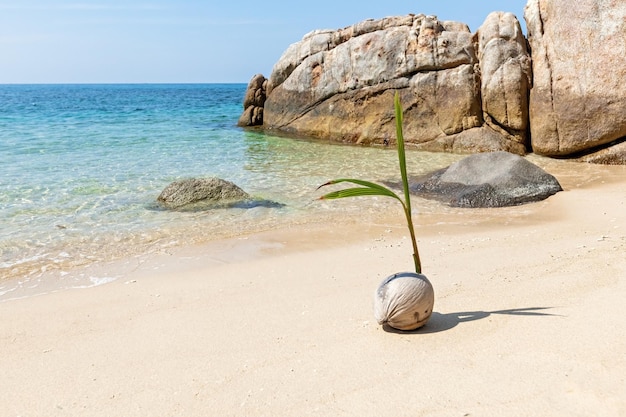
(82, 165)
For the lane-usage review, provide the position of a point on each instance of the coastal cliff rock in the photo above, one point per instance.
(578, 100)
(339, 85)
(194, 191)
(496, 179)
(461, 92)
(253, 102)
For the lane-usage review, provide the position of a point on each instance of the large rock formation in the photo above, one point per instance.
(578, 99)
(496, 179)
(461, 92)
(340, 85)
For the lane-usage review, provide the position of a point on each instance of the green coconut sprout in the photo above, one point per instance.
(367, 188)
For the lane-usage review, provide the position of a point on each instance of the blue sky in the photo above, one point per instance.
(144, 41)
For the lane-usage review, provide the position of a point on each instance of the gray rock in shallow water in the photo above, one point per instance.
(194, 190)
(496, 179)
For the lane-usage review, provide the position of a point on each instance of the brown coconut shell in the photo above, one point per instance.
(404, 301)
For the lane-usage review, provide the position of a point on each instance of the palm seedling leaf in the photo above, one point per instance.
(366, 189)
(401, 152)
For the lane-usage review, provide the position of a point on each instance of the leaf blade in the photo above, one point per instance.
(362, 183)
(354, 192)
(366, 188)
(401, 151)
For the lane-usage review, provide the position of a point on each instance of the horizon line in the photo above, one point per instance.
(124, 83)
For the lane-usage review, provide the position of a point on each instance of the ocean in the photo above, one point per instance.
(82, 166)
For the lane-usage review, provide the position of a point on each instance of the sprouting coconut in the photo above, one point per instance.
(404, 300)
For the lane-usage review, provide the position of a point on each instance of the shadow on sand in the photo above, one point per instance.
(441, 322)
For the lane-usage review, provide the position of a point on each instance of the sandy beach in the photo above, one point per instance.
(529, 321)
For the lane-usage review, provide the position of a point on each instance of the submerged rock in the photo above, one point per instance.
(496, 179)
(194, 190)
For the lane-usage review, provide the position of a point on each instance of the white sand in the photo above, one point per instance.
(529, 321)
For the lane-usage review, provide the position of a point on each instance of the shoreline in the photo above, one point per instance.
(373, 223)
(528, 317)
